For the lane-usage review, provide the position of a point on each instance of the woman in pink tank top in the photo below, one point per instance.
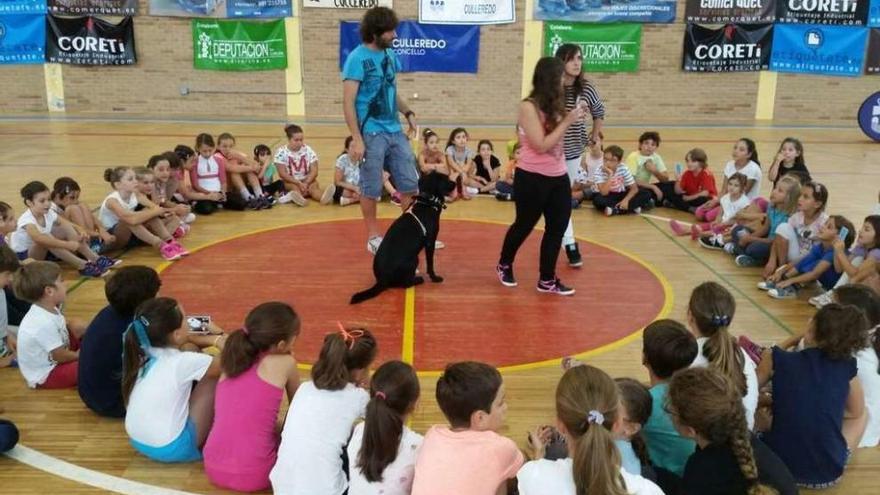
(258, 367)
(541, 185)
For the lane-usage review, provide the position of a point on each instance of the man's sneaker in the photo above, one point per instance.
(554, 287)
(439, 245)
(505, 275)
(746, 261)
(574, 255)
(373, 244)
(106, 263)
(677, 228)
(180, 249)
(822, 299)
(789, 292)
(766, 285)
(169, 251)
(327, 197)
(93, 270)
(714, 242)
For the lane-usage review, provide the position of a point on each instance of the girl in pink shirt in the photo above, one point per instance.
(258, 367)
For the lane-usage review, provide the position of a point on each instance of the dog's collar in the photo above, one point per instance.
(432, 201)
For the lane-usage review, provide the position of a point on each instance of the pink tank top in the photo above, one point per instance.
(243, 441)
(550, 163)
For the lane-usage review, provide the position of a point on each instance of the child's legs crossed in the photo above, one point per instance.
(62, 376)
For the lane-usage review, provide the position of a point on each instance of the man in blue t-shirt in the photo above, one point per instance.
(371, 103)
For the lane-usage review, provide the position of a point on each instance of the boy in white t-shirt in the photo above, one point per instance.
(298, 167)
(47, 350)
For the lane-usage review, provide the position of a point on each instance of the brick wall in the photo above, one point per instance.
(659, 92)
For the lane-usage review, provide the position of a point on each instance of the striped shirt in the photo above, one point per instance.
(576, 134)
(619, 182)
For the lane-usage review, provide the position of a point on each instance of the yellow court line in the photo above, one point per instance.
(409, 323)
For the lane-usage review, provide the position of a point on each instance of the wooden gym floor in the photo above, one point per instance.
(67, 449)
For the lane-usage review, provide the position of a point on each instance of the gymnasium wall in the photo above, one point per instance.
(659, 92)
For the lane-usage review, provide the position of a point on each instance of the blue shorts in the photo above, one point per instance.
(184, 448)
(388, 151)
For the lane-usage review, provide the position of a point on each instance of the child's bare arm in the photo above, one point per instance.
(63, 355)
(765, 367)
(810, 276)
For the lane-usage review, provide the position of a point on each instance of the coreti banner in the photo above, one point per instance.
(831, 50)
(872, 62)
(423, 47)
(605, 10)
(22, 39)
(347, 4)
(89, 41)
(467, 11)
(23, 7)
(732, 48)
(239, 45)
(80, 7)
(605, 47)
(835, 12)
(730, 11)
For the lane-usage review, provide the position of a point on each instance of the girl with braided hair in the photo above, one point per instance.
(588, 416)
(710, 313)
(705, 405)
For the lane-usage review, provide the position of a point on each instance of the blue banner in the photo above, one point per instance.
(22, 39)
(605, 10)
(258, 8)
(423, 47)
(23, 7)
(874, 13)
(831, 50)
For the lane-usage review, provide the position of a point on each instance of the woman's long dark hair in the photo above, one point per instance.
(547, 93)
(567, 52)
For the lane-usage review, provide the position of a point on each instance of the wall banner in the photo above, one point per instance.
(831, 50)
(87, 7)
(732, 48)
(467, 11)
(834, 12)
(23, 7)
(239, 45)
(605, 10)
(89, 41)
(606, 47)
(727, 11)
(22, 39)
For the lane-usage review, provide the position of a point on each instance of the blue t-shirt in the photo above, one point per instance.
(666, 447)
(377, 93)
(100, 363)
(809, 398)
(817, 254)
(776, 218)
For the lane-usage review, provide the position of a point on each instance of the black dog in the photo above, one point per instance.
(396, 260)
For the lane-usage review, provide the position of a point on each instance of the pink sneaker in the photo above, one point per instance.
(169, 251)
(678, 228)
(695, 232)
(180, 249)
(179, 232)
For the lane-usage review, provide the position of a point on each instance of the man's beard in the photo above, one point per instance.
(383, 43)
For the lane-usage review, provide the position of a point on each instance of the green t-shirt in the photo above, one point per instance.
(636, 163)
(666, 447)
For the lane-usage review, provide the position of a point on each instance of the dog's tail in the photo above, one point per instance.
(367, 294)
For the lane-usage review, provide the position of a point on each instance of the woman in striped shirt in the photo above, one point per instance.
(576, 139)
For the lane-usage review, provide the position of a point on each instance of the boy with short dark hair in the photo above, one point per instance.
(667, 348)
(647, 165)
(100, 358)
(615, 190)
(469, 457)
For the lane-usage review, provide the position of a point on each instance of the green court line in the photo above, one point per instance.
(748, 298)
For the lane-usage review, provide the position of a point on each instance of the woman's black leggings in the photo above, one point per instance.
(536, 195)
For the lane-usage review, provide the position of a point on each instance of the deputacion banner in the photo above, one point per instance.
(22, 39)
(89, 7)
(346, 4)
(835, 12)
(730, 11)
(732, 48)
(23, 7)
(89, 41)
(423, 47)
(831, 50)
(239, 45)
(872, 62)
(258, 9)
(467, 11)
(606, 47)
(605, 10)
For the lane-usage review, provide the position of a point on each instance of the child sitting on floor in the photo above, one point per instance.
(752, 247)
(692, 188)
(636, 403)
(65, 195)
(504, 186)
(856, 265)
(646, 165)
(615, 191)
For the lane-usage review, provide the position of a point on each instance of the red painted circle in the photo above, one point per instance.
(317, 267)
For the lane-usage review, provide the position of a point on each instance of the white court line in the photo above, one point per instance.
(63, 469)
(662, 219)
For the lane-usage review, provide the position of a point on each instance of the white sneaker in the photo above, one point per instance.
(729, 248)
(439, 245)
(293, 197)
(373, 244)
(285, 198)
(343, 201)
(472, 191)
(327, 197)
(822, 299)
(190, 218)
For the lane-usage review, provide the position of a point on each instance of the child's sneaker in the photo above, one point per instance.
(746, 261)
(504, 196)
(373, 244)
(822, 299)
(766, 285)
(92, 270)
(609, 211)
(637, 211)
(789, 292)
(729, 248)
(677, 228)
(169, 251)
(695, 232)
(753, 350)
(327, 197)
(505, 275)
(554, 287)
(179, 232)
(574, 255)
(189, 218)
(106, 263)
(293, 197)
(714, 242)
(96, 245)
(180, 249)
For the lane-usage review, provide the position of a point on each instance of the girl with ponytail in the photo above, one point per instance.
(710, 313)
(258, 368)
(321, 416)
(167, 419)
(382, 451)
(587, 412)
(705, 405)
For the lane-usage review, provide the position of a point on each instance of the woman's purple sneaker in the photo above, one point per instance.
(554, 287)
